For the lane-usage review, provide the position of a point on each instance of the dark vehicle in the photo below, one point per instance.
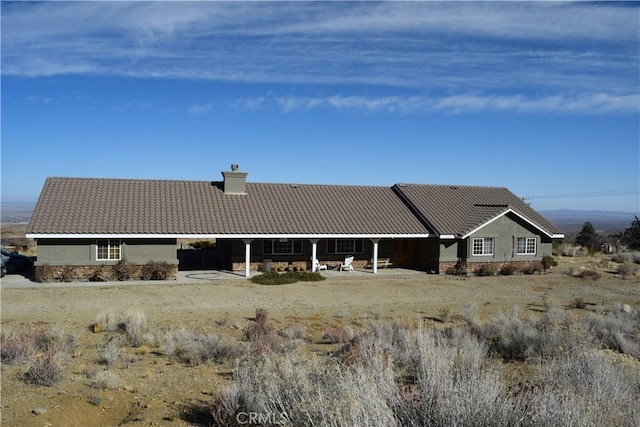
(16, 263)
(3, 270)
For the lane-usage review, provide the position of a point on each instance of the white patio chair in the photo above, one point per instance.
(319, 266)
(347, 264)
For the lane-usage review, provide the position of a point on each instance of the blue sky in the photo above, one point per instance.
(539, 97)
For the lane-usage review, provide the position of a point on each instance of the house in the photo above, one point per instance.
(88, 222)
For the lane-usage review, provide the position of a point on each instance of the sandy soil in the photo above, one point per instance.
(158, 391)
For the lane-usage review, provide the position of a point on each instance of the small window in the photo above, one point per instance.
(282, 247)
(108, 250)
(345, 246)
(483, 246)
(526, 246)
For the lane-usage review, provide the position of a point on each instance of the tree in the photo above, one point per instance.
(631, 236)
(588, 237)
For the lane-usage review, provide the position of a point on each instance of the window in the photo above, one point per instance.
(526, 246)
(108, 250)
(345, 246)
(282, 247)
(483, 246)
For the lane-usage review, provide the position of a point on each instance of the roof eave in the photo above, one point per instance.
(222, 236)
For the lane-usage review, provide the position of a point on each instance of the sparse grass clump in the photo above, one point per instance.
(195, 348)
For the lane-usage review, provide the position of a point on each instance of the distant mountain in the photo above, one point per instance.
(572, 220)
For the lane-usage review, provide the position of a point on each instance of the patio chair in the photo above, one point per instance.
(319, 266)
(347, 264)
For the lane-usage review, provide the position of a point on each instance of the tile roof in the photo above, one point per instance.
(458, 210)
(81, 206)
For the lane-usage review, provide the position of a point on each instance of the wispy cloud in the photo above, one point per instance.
(198, 110)
(588, 103)
(526, 53)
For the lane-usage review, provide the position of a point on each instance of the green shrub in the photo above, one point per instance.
(548, 262)
(307, 276)
(275, 278)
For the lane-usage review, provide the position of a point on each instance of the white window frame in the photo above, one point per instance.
(480, 246)
(113, 247)
(530, 245)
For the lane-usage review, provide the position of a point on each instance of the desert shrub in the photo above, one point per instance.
(618, 330)
(274, 278)
(101, 273)
(586, 388)
(391, 375)
(621, 258)
(337, 334)
(636, 257)
(295, 332)
(105, 380)
(156, 270)
(262, 334)
(627, 269)
(18, 346)
(45, 353)
(587, 273)
(445, 314)
(508, 269)
(134, 324)
(110, 352)
(123, 270)
(106, 321)
(195, 348)
(487, 269)
(46, 368)
(513, 338)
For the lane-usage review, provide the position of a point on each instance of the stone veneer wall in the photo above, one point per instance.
(84, 273)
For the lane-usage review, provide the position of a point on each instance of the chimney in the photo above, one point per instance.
(235, 182)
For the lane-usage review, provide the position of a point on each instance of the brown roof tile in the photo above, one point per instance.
(128, 206)
(458, 210)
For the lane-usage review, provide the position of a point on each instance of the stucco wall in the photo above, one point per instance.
(505, 231)
(83, 251)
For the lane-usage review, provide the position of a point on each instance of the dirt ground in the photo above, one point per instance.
(156, 390)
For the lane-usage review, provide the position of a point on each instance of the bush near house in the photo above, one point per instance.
(104, 272)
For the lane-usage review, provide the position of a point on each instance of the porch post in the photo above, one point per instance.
(314, 254)
(375, 255)
(247, 257)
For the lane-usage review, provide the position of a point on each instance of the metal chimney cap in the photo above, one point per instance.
(234, 167)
